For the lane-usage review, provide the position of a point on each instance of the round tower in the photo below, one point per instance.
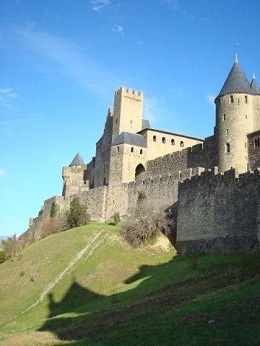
(235, 119)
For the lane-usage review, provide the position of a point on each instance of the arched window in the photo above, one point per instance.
(154, 138)
(181, 144)
(172, 141)
(163, 140)
(139, 172)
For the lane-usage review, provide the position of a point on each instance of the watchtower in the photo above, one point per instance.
(128, 112)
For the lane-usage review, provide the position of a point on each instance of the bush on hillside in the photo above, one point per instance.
(77, 215)
(116, 218)
(12, 246)
(145, 225)
(2, 256)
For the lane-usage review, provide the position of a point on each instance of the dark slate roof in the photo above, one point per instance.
(254, 87)
(130, 138)
(146, 124)
(236, 81)
(77, 161)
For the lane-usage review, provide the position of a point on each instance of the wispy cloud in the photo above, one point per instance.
(119, 28)
(97, 5)
(8, 92)
(3, 174)
(210, 99)
(174, 5)
(155, 109)
(7, 96)
(69, 60)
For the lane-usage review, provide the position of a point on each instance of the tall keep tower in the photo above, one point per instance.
(236, 117)
(128, 112)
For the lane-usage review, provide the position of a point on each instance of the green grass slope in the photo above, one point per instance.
(86, 286)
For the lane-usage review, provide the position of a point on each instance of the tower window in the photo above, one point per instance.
(163, 140)
(232, 99)
(172, 142)
(226, 131)
(154, 138)
(257, 142)
(118, 149)
(246, 100)
(181, 144)
(132, 149)
(227, 147)
(224, 117)
(246, 116)
(141, 151)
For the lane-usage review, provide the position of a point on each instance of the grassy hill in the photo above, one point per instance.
(86, 286)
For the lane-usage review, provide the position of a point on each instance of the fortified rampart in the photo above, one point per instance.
(219, 212)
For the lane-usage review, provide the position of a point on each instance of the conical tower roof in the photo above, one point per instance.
(254, 87)
(236, 81)
(77, 161)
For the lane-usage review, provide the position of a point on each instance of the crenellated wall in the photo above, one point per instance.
(218, 212)
(200, 155)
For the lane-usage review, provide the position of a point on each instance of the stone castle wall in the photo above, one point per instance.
(218, 212)
(200, 155)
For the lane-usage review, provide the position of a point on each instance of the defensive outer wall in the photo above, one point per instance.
(219, 213)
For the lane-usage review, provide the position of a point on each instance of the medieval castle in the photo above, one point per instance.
(213, 183)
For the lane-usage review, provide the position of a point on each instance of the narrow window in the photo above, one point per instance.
(232, 99)
(141, 151)
(246, 116)
(257, 142)
(154, 138)
(104, 181)
(246, 99)
(228, 147)
(181, 144)
(132, 149)
(118, 149)
(164, 140)
(172, 142)
(227, 132)
(224, 117)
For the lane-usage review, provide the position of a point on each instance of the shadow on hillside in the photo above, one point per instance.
(89, 314)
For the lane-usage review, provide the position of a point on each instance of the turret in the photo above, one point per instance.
(235, 118)
(74, 177)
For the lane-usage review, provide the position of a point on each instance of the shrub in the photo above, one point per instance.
(77, 215)
(2, 256)
(55, 208)
(116, 218)
(144, 225)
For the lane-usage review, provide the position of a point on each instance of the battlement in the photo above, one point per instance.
(213, 177)
(129, 92)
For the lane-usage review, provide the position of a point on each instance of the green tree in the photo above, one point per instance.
(77, 215)
(54, 209)
(2, 256)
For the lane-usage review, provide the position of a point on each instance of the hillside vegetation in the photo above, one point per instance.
(86, 286)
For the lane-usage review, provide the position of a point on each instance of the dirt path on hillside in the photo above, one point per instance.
(91, 246)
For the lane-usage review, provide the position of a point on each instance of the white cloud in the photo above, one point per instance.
(8, 92)
(3, 173)
(97, 5)
(69, 59)
(119, 28)
(7, 95)
(173, 4)
(210, 99)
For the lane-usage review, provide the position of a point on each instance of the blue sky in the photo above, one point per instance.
(62, 60)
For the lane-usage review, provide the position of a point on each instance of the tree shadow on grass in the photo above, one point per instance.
(85, 315)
